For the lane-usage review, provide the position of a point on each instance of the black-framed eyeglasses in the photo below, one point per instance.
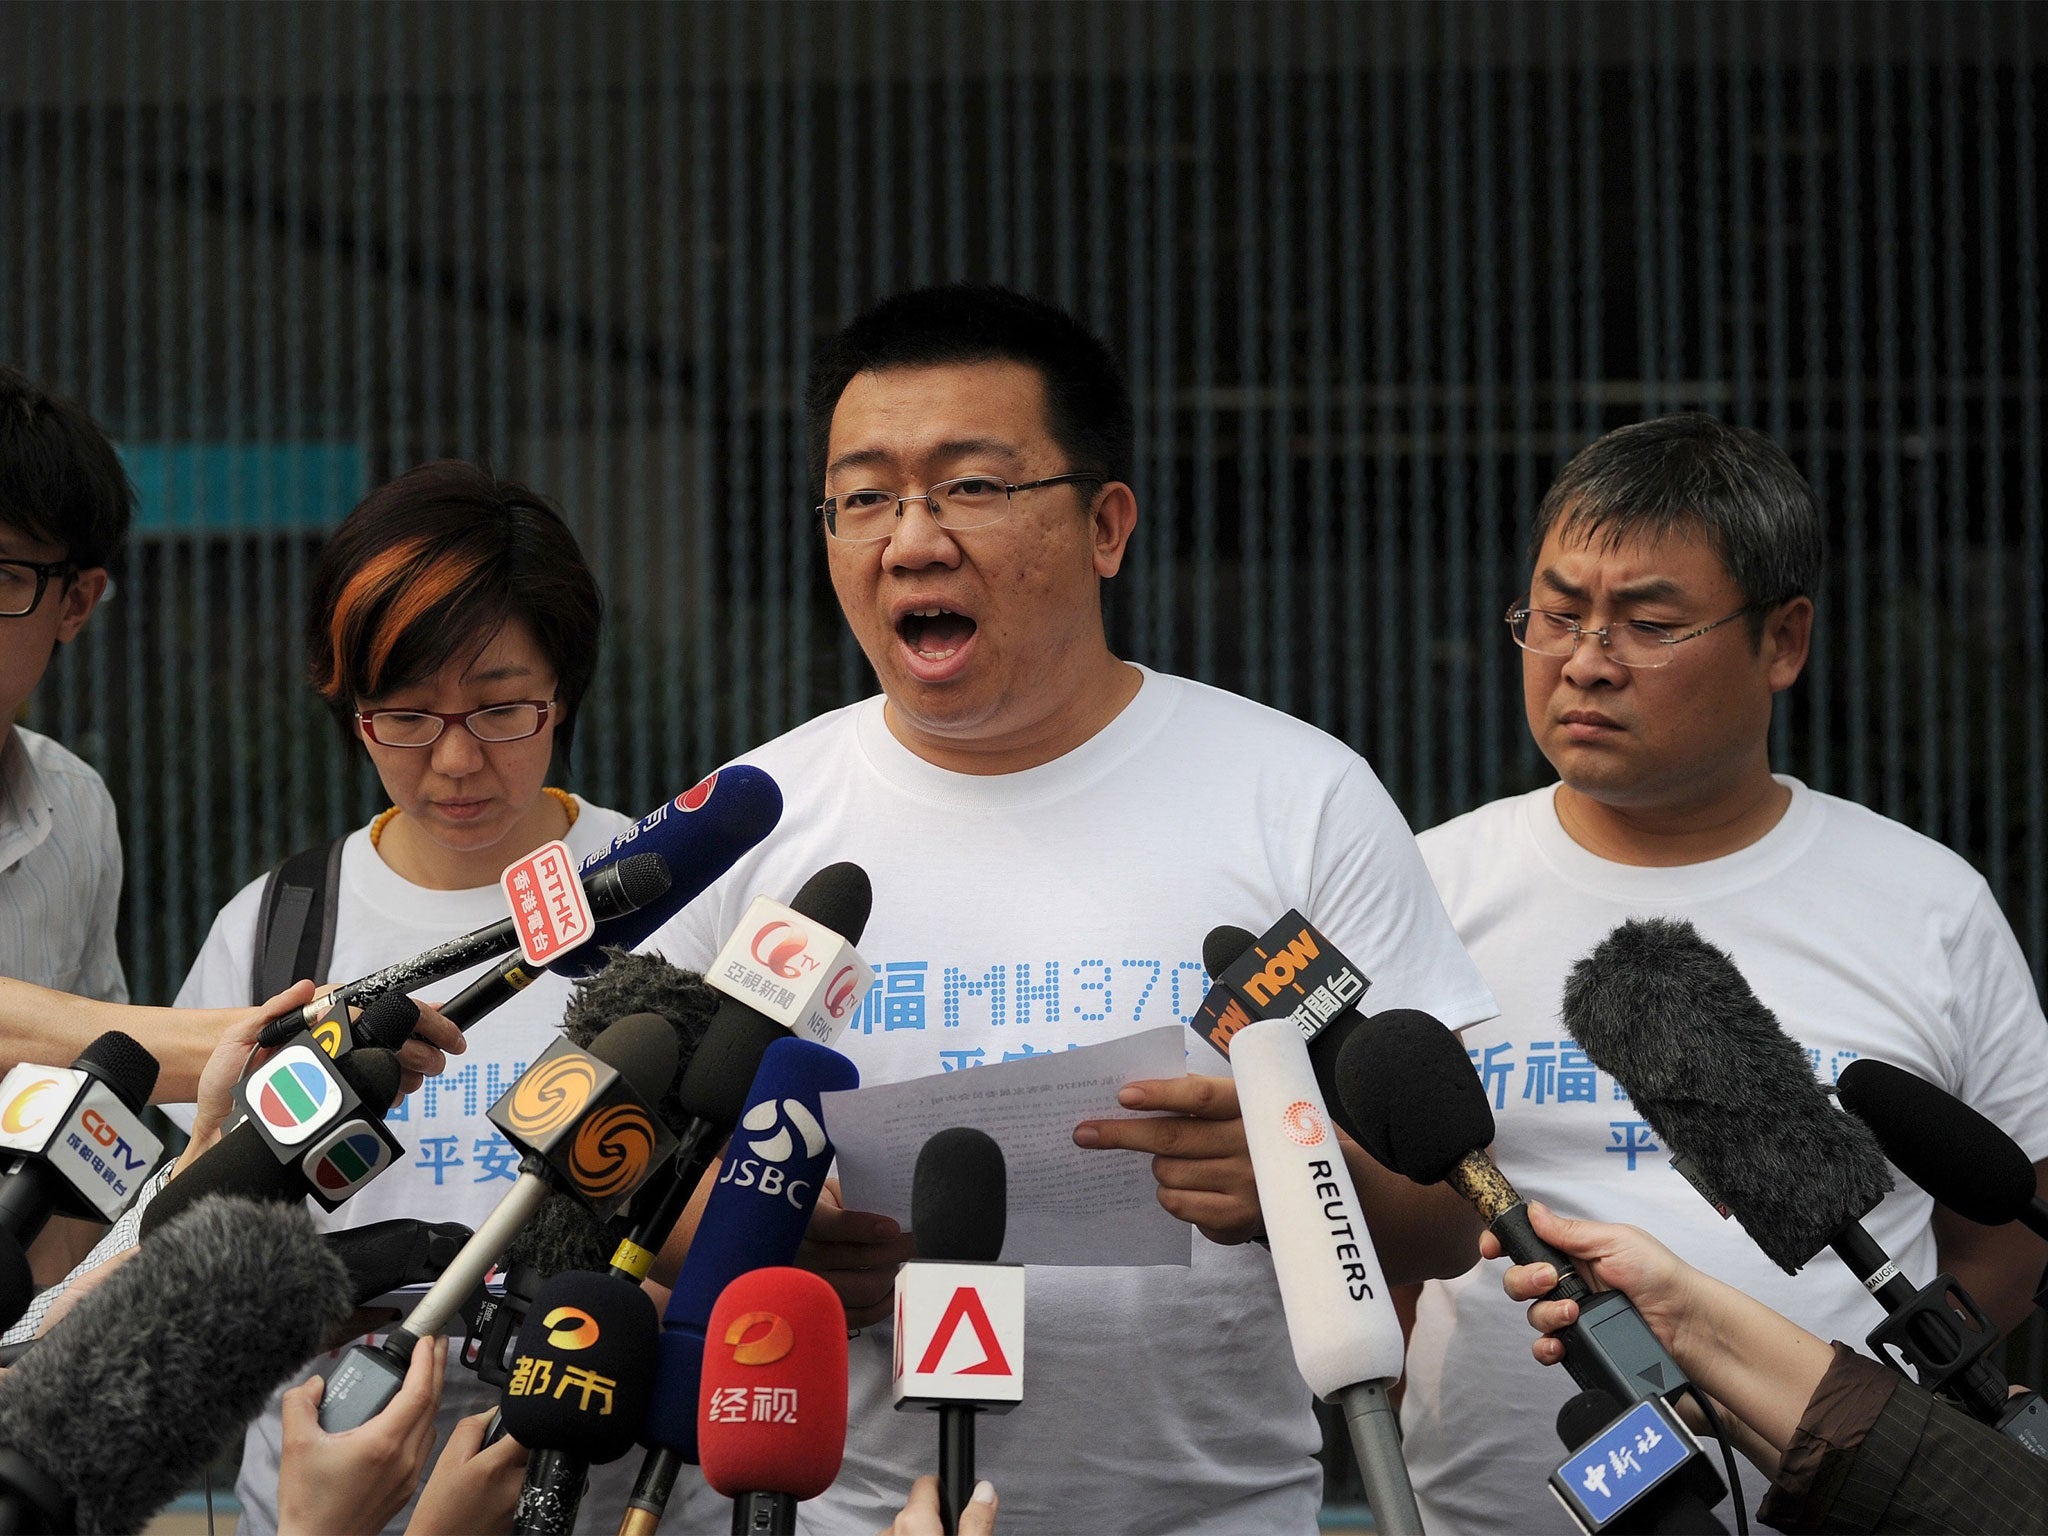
(423, 727)
(966, 501)
(23, 582)
(1632, 642)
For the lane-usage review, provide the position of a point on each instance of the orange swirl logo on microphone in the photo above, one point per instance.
(570, 1328)
(551, 1094)
(14, 1119)
(1302, 1124)
(612, 1151)
(773, 1343)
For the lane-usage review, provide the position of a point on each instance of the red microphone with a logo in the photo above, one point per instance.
(771, 1410)
(959, 1313)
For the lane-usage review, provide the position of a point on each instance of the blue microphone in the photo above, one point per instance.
(700, 835)
(755, 1219)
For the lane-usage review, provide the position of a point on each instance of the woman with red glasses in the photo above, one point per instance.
(453, 633)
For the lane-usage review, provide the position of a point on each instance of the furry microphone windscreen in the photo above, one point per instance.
(632, 983)
(564, 1234)
(1723, 1086)
(128, 1398)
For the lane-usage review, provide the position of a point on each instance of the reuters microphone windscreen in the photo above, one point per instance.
(583, 1367)
(1342, 1325)
(771, 1415)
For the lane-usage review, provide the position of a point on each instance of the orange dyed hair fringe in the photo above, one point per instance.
(399, 586)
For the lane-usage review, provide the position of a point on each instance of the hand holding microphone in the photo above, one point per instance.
(1734, 1098)
(920, 1514)
(1760, 1366)
(474, 1487)
(352, 1483)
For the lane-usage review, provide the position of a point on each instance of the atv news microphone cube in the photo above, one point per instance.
(583, 1119)
(77, 1124)
(959, 1335)
(792, 969)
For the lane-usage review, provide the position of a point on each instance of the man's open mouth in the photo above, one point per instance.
(935, 633)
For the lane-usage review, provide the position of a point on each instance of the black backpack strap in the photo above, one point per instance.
(295, 920)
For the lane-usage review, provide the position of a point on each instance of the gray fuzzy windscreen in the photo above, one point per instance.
(563, 1235)
(128, 1398)
(631, 983)
(1722, 1085)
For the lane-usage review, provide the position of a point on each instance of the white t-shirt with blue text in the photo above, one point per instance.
(1022, 913)
(457, 1165)
(1865, 939)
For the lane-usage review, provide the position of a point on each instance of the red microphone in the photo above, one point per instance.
(771, 1413)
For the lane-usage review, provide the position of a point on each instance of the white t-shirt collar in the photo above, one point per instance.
(903, 770)
(1666, 885)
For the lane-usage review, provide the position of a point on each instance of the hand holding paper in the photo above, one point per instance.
(1067, 1204)
(1199, 1153)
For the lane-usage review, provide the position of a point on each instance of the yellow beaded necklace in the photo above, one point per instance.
(562, 798)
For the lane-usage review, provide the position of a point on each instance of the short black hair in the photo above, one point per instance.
(60, 480)
(1690, 474)
(1087, 403)
(431, 566)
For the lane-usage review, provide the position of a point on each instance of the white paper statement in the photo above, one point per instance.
(1067, 1204)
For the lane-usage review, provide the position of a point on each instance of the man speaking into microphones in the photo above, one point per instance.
(1051, 831)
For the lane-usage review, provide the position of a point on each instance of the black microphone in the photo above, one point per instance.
(73, 1143)
(126, 1400)
(1421, 1111)
(346, 1149)
(1943, 1145)
(581, 1121)
(1735, 1100)
(564, 1234)
(958, 1210)
(711, 1092)
(1627, 1473)
(1222, 950)
(580, 1381)
(385, 1255)
(613, 892)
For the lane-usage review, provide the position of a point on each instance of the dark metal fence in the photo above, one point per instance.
(1374, 270)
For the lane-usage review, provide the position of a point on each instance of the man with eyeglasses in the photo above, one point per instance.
(1051, 831)
(64, 507)
(1670, 600)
